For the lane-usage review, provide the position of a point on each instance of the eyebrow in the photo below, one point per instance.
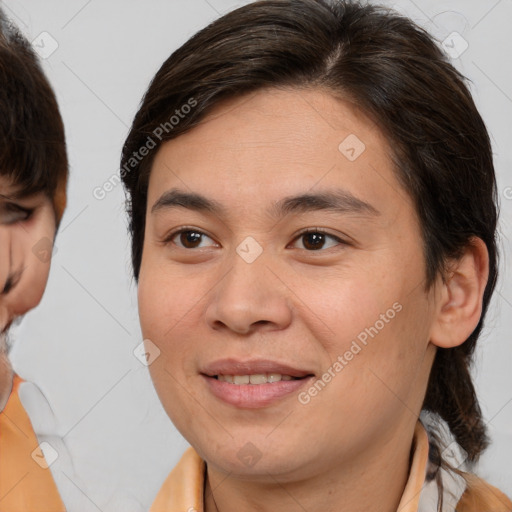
(15, 195)
(336, 201)
(10, 197)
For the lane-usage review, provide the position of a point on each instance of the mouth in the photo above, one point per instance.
(257, 368)
(256, 378)
(253, 384)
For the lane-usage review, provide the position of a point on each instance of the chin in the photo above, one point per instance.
(248, 459)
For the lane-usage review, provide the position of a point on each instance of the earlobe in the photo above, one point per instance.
(459, 302)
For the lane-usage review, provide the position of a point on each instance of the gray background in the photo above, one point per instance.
(78, 344)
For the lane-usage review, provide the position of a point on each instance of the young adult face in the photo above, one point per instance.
(27, 231)
(244, 291)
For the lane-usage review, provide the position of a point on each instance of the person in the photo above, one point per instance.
(33, 176)
(312, 206)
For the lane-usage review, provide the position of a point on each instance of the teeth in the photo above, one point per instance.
(241, 379)
(259, 378)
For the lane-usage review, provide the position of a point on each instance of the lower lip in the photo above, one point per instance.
(252, 396)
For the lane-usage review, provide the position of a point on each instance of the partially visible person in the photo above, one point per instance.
(33, 177)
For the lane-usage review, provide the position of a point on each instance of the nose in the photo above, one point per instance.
(250, 297)
(5, 264)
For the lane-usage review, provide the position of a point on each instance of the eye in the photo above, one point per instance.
(188, 238)
(11, 281)
(11, 213)
(315, 239)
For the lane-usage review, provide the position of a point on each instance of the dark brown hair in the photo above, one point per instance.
(396, 73)
(32, 143)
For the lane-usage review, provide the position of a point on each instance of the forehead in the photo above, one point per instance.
(275, 143)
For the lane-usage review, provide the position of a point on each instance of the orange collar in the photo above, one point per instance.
(183, 488)
(26, 482)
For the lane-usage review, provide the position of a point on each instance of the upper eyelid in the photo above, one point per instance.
(10, 208)
(183, 229)
(12, 205)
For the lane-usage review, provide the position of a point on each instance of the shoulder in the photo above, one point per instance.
(481, 496)
(183, 488)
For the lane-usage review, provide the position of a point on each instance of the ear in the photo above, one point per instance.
(459, 298)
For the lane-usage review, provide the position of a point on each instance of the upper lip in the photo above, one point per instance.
(251, 367)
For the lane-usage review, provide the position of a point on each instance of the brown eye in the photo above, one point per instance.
(316, 240)
(188, 238)
(313, 240)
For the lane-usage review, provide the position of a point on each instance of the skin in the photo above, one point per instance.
(23, 274)
(349, 446)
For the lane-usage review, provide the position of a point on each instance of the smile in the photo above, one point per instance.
(254, 391)
(257, 378)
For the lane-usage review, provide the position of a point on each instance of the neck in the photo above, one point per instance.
(373, 483)
(6, 376)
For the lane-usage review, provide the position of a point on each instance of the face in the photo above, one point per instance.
(27, 231)
(285, 309)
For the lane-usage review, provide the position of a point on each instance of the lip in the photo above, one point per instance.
(253, 396)
(237, 367)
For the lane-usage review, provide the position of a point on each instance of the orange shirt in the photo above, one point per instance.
(183, 488)
(26, 482)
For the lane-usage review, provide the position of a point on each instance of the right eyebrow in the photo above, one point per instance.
(175, 198)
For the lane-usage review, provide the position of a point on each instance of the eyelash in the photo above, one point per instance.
(13, 213)
(168, 238)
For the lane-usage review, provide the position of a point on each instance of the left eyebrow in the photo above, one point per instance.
(8, 198)
(337, 201)
(16, 194)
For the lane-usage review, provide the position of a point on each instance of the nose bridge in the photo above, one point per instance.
(5, 265)
(249, 294)
(5, 255)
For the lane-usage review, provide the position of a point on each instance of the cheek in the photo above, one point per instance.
(31, 250)
(172, 296)
(30, 289)
(378, 334)
(163, 318)
(163, 302)
(342, 307)
(385, 361)
(170, 313)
